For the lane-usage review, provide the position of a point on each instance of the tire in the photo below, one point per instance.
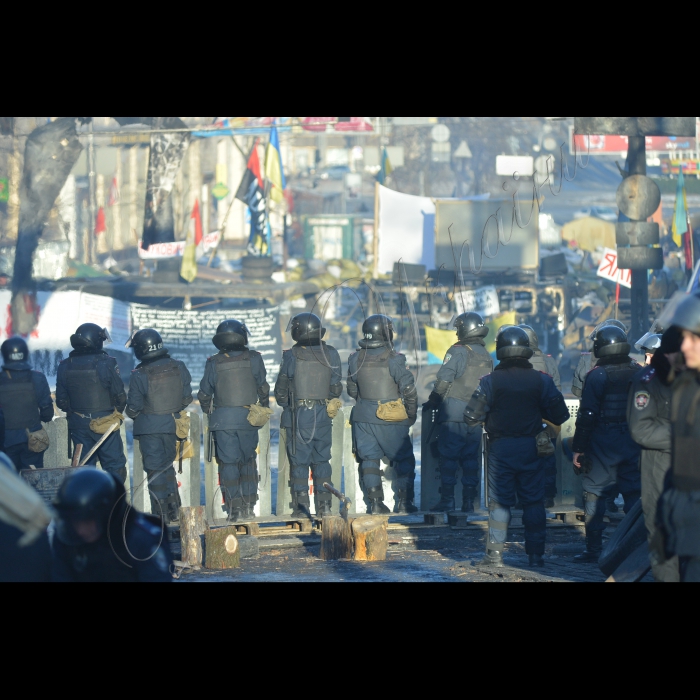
(629, 536)
(252, 263)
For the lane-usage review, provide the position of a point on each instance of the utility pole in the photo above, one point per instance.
(92, 206)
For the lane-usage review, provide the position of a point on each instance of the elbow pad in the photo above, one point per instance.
(410, 400)
(441, 388)
(585, 427)
(336, 391)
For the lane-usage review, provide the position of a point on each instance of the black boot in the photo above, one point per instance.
(376, 502)
(549, 504)
(536, 561)
(468, 502)
(447, 503)
(404, 504)
(250, 511)
(302, 506)
(493, 559)
(594, 549)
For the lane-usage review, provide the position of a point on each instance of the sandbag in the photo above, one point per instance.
(333, 408)
(39, 441)
(392, 412)
(258, 416)
(101, 426)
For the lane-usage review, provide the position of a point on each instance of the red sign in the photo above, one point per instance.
(620, 144)
(610, 271)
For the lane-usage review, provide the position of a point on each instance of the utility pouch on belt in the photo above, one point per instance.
(259, 416)
(182, 426)
(545, 448)
(185, 450)
(38, 442)
(102, 425)
(553, 430)
(334, 407)
(392, 412)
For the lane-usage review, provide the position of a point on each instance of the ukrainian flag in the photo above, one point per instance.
(274, 170)
(387, 168)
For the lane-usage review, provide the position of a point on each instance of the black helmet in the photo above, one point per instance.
(610, 322)
(610, 341)
(470, 326)
(15, 350)
(90, 337)
(512, 343)
(231, 334)
(671, 341)
(85, 495)
(688, 315)
(306, 328)
(532, 337)
(379, 329)
(147, 345)
(649, 344)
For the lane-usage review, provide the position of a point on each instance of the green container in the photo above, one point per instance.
(329, 237)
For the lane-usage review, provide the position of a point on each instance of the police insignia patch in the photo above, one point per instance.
(641, 400)
(447, 358)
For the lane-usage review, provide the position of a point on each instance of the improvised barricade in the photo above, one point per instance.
(214, 498)
(189, 480)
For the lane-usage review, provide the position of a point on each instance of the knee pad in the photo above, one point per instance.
(499, 513)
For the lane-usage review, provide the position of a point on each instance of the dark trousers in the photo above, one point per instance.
(23, 458)
(374, 442)
(550, 477)
(158, 453)
(313, 451)
(460, 448)
(238, 473)
(690, 570)
(110, 455)
(614, 464)
(654, 470)
(516, 469)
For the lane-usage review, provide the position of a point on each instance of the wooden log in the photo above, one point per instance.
(193, 528)
(371, 538)
(222, 549)
(337, 543)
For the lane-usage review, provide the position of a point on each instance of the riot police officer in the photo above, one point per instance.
(460, 444)
(26, 401)
(234, 380)
(160, 389)
(378, 375)
(513, 402)
(648, 346)
(588, 360)
(679, 507)
(649, 418)
(100, 539)
(310, 377)
(547, 365)
(89, 387)
(604, 450)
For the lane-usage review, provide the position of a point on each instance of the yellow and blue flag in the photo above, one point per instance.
(386, 170)
(680, 217)
(274, 170)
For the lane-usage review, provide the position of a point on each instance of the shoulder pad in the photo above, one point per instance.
(254, 352)
(649, 375)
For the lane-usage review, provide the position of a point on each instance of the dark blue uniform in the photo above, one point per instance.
(159, 390)
(375, 438)
(603, 436)
(233, 380)
(309, 377)
(135, 550)
(26, 399)
(512, 402)
(460, 444)
(88, 387)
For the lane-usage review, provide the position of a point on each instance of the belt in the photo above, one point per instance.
(311, 403)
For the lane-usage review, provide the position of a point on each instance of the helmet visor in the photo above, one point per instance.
(106, 337)
(130, 342)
